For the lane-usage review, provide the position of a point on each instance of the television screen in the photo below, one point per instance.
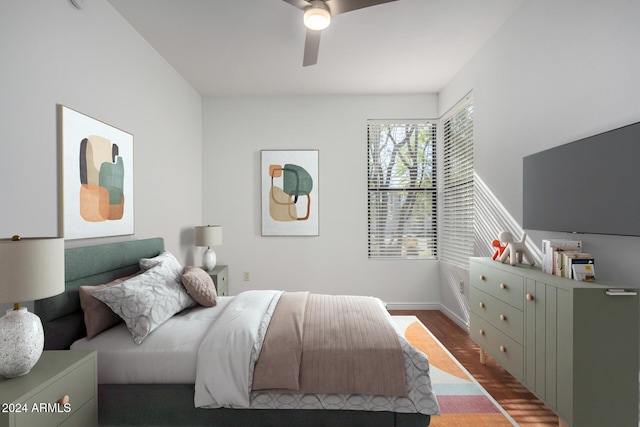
(587, 186)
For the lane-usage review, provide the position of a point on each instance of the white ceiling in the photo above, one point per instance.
(256, 46)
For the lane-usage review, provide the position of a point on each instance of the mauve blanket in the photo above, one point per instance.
(331, 344)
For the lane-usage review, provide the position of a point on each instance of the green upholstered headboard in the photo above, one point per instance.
(61, 315)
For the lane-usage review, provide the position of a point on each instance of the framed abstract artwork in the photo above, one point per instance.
(289, 192)
(96, 177)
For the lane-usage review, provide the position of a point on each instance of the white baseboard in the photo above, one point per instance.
(412, 306)
(463, 323)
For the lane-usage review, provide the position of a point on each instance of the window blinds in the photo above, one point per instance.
(402, 190)
(457, 204)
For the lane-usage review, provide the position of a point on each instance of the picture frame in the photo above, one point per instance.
(96, 177)
(290, 192)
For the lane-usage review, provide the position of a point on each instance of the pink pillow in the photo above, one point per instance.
(97, 315)
(199, 286)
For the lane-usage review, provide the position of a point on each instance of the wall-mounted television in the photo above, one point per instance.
(587, 186)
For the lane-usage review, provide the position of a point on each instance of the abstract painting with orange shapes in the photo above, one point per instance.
(97, 177)
(289, 192)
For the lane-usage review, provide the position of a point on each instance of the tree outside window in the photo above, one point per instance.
(402, 190)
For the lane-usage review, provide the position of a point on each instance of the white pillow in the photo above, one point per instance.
(147, 300)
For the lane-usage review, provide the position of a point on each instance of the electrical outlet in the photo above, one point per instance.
(462, 287)
(246, 276)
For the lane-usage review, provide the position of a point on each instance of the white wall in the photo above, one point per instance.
(235, 129)
(556, 72)
(93, 61)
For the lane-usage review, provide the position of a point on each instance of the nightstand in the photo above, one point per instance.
(38, 398)
(220, 276)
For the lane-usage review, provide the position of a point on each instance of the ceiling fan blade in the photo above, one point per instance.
(300, 4)
(341, 6)
(311, 48)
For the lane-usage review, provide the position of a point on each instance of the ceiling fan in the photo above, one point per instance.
(317, 16)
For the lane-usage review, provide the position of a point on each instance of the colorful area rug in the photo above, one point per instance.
(463, 402)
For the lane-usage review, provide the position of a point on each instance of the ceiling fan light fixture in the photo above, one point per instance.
(317, 16)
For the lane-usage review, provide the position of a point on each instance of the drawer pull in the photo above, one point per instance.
(529, 297)
(482, 277)
(503, 286)
(620, 292)
(481, 332)
(503, 349)
(64, 399)
(481, 305)
(503, 317)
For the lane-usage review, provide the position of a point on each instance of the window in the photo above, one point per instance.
(456, 200)
(402, 190)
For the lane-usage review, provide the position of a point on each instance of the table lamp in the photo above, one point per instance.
(30, 269)
(209, 235)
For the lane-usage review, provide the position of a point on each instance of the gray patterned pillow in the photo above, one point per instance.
(147, 300)
(167, 259)
(97, 316)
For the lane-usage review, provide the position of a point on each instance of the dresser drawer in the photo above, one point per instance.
(503, 349)
(85, 416)
(503, 316)
(78, 384)
(505, 286)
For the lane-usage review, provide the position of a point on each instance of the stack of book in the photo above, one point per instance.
(565, 258)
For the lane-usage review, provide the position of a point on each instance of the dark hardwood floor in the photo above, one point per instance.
(523, 406)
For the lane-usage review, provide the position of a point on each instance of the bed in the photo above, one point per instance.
(168, 399)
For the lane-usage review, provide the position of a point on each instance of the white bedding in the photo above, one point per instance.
(167, 356)
(216, 349)
(225, 357)
(227, 383)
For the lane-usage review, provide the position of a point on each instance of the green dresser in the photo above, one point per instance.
(60, 390)
(571, 343)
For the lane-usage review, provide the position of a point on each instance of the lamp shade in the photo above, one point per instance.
(209, 235)
(31, 268)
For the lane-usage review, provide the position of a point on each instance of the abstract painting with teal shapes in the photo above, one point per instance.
(101, 179)
(97, 177)
(283, 201)
(290, 192)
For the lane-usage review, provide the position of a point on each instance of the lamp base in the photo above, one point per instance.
(21, 342)
(209, 259)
